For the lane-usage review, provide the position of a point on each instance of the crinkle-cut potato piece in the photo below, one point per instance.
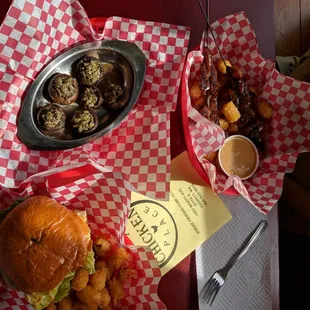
(195, 91)
(221, 66)
(224, 123)
(264, 109)
(211, 156)
(231, 112)
(233, 128)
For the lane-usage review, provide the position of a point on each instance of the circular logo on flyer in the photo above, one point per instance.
(156, 228)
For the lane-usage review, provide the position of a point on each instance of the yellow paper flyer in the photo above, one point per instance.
(173, 229)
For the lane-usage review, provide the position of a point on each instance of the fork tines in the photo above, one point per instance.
(210, 290)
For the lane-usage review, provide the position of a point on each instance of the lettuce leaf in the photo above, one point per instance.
(82, 215)
(4, 213)
(64, 288)
(90, 262)
(42, 300)
(90, 259)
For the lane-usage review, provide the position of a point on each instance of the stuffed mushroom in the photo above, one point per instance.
(51, 118)
(89, 70)
(84, 121)
(91, 98)
(63, 89)
(116, 96)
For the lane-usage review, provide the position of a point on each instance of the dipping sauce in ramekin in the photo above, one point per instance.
(238, 156)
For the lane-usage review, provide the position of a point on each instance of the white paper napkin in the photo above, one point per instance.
(252, 284)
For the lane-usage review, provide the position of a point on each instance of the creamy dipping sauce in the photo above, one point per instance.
(238, 156)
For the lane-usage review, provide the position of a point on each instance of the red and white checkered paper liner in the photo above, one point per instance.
(32, 33)
(106, 199)
(287, 135)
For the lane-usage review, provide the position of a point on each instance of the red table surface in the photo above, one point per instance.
(178, 288)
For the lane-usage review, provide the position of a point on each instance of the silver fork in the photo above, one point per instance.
(212, 287)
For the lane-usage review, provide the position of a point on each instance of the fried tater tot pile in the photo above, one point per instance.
(80, 279)
(65, 304)
(222, 95)
(104, 288)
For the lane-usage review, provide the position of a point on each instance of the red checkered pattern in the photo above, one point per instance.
(35, 31)
(287, 135)
(106, 199)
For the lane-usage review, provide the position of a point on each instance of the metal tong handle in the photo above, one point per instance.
(211, 30)
(259, 230)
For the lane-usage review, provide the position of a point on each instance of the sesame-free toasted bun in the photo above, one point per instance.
(42, 241)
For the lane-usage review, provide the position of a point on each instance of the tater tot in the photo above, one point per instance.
(98, 279)
(211, 156)
(223, 123)
(101, 264)
(116, 289)
(127, 273)
(50, 307)
(105, 299)
(80, 306)
(230, 112)
(119, 258)
(221, 66)
(80, 279)
(233, 128)
(264, 109)
(89, 295)
(65, 304)
(101, 246)
(195, 91)
(236, 72)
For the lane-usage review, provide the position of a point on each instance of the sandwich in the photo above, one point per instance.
(42, 245)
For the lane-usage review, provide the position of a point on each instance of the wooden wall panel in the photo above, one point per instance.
(287, 21)
(260, 14)
(305, 26)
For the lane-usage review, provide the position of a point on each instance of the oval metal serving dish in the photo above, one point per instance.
(127, 65)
